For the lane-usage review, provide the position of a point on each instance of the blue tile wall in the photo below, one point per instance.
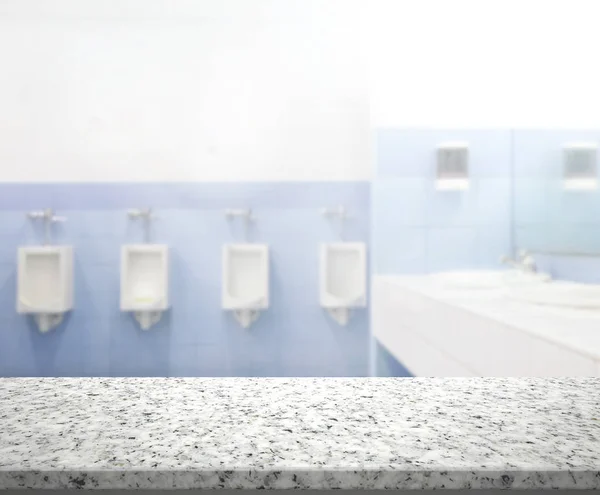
(294, 337)
(538, 152)
(417, 229)
(580, 268)
(516, 200)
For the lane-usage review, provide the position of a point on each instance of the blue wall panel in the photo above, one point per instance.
(294, 337)
(418, 229)
(516, 200)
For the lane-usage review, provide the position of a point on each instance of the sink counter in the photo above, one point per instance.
(575, 329)
(307, 433)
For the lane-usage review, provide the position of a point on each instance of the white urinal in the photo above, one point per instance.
(245, 285)
(343, 278)
(145, 282)
(45, 284)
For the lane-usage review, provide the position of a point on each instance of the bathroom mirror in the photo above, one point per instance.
(556, 195)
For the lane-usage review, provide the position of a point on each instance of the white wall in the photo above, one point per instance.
(101, 90)
(491, 63)
(106, 90)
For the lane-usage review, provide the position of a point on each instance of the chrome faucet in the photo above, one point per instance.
(524, 262)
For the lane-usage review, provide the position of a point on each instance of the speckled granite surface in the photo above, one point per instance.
(299, 433)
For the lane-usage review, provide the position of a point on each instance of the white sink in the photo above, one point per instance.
(560, 294)
(488, 279)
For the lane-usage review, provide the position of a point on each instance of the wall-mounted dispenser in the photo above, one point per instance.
(452, 167)
(245, 274)
(145, 276)
(45, 277)
(580, 166)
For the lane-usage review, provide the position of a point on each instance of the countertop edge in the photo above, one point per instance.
(301, 478)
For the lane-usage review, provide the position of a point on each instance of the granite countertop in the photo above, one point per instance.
(400, 433)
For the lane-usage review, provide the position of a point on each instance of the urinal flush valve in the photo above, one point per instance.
(146, 215)
(341, 213)
(48, 217)
(245, 214)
